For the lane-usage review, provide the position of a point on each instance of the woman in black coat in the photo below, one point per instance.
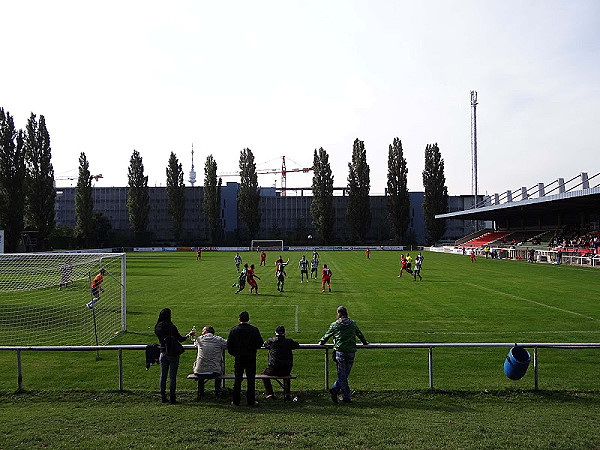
(170, 349)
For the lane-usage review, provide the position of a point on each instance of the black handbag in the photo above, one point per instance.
(172, 345)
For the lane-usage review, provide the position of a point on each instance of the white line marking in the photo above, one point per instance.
(296, 318)
(531, 301)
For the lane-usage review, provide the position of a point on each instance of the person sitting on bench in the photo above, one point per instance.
(210, 355)
(280, 361)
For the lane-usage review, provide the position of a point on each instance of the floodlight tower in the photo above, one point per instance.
(192, 179)
(474, 151)
(474, 146)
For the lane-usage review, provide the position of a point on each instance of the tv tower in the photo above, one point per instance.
(192, 179)
(474, 146)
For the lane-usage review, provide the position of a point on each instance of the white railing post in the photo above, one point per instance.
(19, 372)
(121, 370)
(535, 367)
(326, 369)
(431, 368)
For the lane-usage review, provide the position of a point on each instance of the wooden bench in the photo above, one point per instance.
(202, 378)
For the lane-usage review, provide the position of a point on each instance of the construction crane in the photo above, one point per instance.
(283, 171)
(92, 177)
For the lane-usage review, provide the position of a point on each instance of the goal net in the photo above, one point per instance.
(272, 244)
(47, 298)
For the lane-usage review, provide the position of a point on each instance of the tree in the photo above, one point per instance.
(359, 185)
(102, 229)
(436, 193)
(398, 201)
(175, 194)
(321, 208)
(84, 203)
(248, 197)
(138, 199)
(211, 202)
(40, 195)
(12, 181)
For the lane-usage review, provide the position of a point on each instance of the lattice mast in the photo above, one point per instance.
(474, 146)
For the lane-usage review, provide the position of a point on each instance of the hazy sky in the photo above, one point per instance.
(286, 77)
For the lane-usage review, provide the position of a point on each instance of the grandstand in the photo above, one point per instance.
(565, 217)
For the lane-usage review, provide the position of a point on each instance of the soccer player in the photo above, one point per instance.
(409, 263)
(402, 265)
(199, 254)
(303, 265)
(263, 259)
(241, 284)
(418, 264)
(251, 281)
(66, 273)
(238, 260)
(315, 253)
(368, 253)
(326, 278)
(473, 255)
(280, 273)
(96, 288)
(314, 266)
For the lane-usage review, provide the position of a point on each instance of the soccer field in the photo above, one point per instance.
(457, 301)
(70, 398)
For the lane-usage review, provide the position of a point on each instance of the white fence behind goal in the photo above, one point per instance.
(43, 298)
(273, 244)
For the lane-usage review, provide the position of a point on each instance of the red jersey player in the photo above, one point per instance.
(472, 255)
(326, 277)
(263, 259)
(368, 253)
(403, 265)
(199, 254)
(251, 281)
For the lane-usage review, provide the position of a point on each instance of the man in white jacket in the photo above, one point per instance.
(210, 355)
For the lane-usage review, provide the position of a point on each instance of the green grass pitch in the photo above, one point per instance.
(474, 404)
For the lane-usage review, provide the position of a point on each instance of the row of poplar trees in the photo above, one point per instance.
(27, 194)
(322, 210)
(398, 201)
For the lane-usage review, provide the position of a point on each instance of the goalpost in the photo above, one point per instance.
(266, 244)
(47, 298)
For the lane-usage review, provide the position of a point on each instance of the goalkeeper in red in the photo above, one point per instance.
(326, 277)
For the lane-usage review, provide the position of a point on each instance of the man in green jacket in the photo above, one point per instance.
(344, 332)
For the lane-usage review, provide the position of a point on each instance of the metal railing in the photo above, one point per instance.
(429, 346)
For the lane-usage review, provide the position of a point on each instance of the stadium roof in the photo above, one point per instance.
(565, 202)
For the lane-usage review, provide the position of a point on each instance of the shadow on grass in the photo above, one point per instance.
(317, 402)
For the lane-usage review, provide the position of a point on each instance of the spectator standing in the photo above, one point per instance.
(242, 343)
(344, 332)
(280, 361)
(170, 349)
(210, 356)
